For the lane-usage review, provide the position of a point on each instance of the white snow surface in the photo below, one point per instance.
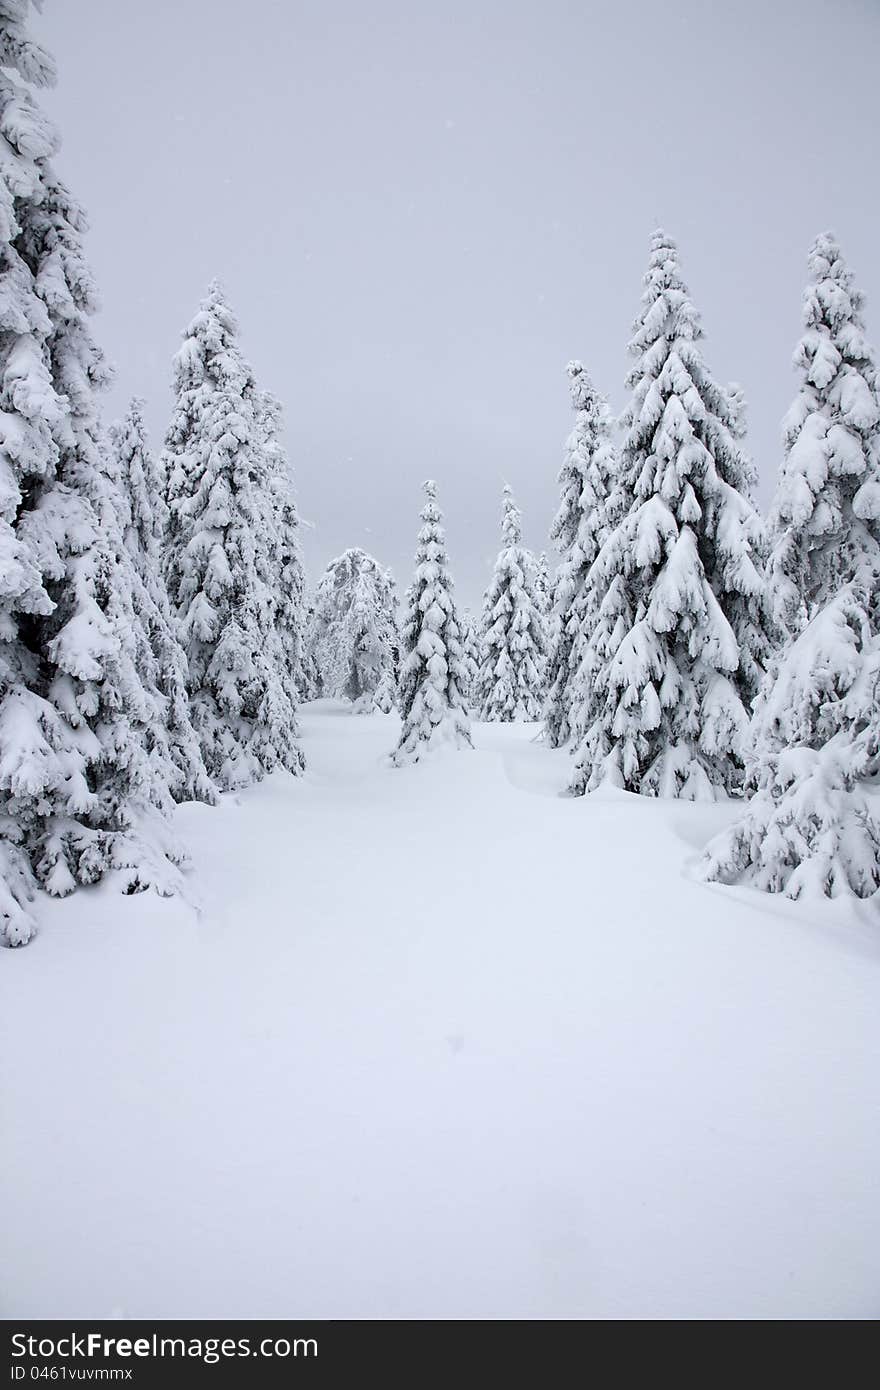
(441, 1042)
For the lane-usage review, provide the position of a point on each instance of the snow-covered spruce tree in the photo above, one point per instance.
(543, 586)
(160, 659)
(369, 634)
(587, 478)
(221, 556)
(430, 698)
(353, 631)
(813, 825)
(287, 575)
(470, 659)
(682, 625)
(546, 593)
(80, 792)
(737, 422)
(513, 647)
(824, 516)
(384, 697)
(137, 773)
(309, 685)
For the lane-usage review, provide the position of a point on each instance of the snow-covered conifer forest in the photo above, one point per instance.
(418, 950)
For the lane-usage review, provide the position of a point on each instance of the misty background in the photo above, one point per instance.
(421, 213)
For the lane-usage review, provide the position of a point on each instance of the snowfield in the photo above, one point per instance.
(441, 1042)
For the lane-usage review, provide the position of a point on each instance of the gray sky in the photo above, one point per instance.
(422, 211)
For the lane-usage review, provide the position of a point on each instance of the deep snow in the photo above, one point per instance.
(441, 1042)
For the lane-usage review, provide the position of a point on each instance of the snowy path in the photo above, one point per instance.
(441, 1042)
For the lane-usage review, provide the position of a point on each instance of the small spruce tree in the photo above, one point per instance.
(287, 577)
(512, 639)
(430, 699)
(581, 526)
(309, 685)
(544, 586)
(470, 660)
(353, 631)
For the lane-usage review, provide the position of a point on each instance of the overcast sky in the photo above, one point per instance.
(421, 212)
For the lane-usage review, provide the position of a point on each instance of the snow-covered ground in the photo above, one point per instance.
(441, 1042)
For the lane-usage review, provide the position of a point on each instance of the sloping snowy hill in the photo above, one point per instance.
(440, 1042)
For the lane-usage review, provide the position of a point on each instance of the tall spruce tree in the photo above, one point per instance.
(430, 699)
(513, 644)
(80, 793)
(580, 527)
(813, 825)
(221, 560)
(682, 620)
